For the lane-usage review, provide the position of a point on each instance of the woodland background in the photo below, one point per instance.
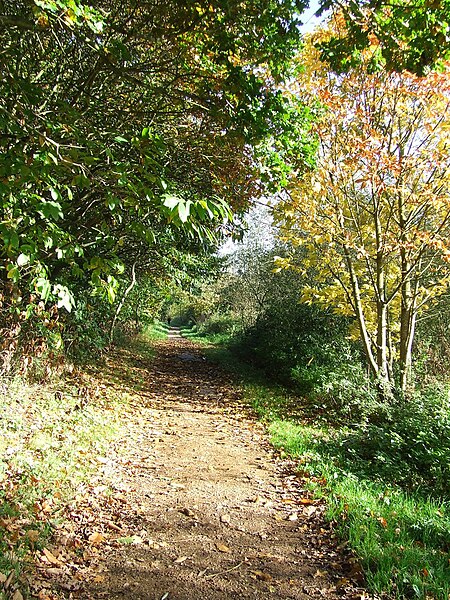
(135, 138)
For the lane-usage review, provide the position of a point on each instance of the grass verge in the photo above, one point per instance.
(55, 440)
(395, 521)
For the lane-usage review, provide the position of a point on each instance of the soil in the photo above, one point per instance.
(202, 507)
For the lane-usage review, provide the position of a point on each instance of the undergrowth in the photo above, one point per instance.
(386, 482)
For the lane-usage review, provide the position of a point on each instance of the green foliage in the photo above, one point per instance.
(108, 160)
(411, 35)
(386, 484)
(400, 537)
(86, 332)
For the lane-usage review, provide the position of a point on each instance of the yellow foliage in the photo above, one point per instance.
(374, 218)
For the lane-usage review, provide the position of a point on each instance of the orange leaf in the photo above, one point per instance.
(383, 521)
(96, 538)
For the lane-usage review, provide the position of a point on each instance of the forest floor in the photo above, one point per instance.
(191, 502)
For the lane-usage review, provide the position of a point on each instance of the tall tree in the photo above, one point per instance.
(126, 126)
(374, 218)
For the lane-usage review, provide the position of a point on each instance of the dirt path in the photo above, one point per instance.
(202, 508)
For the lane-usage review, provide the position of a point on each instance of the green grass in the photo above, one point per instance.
(156, 331)
(53, 441)
(395, 516)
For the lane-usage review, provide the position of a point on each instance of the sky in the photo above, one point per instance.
(308, 18)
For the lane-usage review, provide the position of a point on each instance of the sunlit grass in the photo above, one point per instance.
(395, 523)
(55, 439)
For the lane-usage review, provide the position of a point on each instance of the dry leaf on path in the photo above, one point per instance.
(309, 510)
(180, 559)
(96, 538)
(320, 573)
(51, 558)
(262, 576)
(222, 548)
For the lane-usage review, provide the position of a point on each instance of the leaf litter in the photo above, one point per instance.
(188, 500)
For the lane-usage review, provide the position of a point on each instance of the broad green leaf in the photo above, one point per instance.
(52, 210)
(171, 201)
(55, 194)
(184, 210)
(64, 297)
(43, 287)
(22, 259)
(13, 272)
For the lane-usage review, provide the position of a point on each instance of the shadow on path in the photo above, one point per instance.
(212, 512)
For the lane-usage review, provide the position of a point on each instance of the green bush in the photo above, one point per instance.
(410, 447)
(218, 323)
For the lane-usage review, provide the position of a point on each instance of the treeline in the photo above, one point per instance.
(133, 133)
(130, 132)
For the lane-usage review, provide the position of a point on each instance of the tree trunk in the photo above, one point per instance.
(367, 345)
(122, 301)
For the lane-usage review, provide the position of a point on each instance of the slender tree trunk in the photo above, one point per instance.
(382, 309)
(122, 301)
(407, 311)
(406, 343)
(367, 345)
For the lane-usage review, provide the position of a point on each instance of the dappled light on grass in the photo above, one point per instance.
(386, 483)
(402, 536)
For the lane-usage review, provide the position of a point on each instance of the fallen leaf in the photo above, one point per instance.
(222, 548)
(9, 580)
(96, 538)
(17, 596)
(32, 535)
(54, 571)
(3, 578)
(306, 501)
(180, 559)
(309, 510)
(262, 576)
(320, 573)
(137, 539)
(383, 521)
(51, 558)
